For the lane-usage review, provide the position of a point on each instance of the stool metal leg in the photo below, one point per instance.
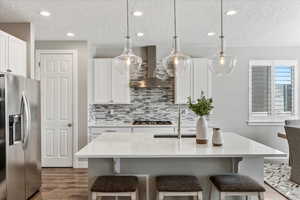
(261, 196)
(133, 196)
(222, 196)
(94, 196)
(247, 198)
(210, 191)
(200, 195)
(137, 194)
(160, 196)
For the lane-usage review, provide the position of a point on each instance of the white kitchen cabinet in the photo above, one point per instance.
(17, 56)
(120, 84)
(201, 77)
(192, 81)
(183, 85)
(156, 131)
(12, 54)
(4, 38)
(95, 132)
(102, 84)
(110, 83)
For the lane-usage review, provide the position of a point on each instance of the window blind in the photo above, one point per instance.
(261, 89)
(284, 89)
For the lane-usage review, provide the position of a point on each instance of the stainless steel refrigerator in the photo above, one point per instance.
(20, 139)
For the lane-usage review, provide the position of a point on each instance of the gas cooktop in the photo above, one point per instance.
(152, 123)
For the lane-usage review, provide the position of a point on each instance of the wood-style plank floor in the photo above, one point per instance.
(72, 184)
(63, 184)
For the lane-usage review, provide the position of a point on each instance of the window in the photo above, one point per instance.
(272, 91)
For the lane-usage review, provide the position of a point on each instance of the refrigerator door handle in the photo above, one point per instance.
(25, 111)
(28, 111)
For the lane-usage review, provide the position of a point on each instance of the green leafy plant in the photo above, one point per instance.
(202, 107)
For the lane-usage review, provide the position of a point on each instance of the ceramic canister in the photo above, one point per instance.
(217, 138)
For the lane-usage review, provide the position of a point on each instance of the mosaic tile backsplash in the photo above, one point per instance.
(146, 104)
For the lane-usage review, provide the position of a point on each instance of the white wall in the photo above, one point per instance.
(231, 93)
(82, 47)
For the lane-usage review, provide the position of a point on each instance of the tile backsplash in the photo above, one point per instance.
(146, 104)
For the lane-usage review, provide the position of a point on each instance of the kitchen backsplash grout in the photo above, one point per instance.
(146, 104)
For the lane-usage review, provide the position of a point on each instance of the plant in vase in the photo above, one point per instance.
(202, 107)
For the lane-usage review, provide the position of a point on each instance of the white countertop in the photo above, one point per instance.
(130, 125)
(139, 145)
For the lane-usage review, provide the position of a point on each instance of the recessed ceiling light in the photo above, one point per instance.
(70, 34)
(231, 12)
(137, 13)
(211, 33)
(140, 34)
(45, 13)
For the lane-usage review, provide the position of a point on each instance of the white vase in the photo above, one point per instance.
(202, 130)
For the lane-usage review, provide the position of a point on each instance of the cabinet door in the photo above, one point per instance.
(201, 78)
(155, 131)
(3, 51)
(183, 87)
(102, 81)
(120, 84)
(17, 56)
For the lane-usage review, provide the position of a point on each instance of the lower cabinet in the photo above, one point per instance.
(95, 132)
(155, 131)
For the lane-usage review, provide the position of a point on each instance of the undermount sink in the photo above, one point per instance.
(175, 136)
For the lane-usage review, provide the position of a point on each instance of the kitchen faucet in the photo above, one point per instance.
(179, 123)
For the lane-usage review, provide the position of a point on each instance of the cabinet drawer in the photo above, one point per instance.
(92, 137)
(109, 130)
(188, 130)
(155, 131)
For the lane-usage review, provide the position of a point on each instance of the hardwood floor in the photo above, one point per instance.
(71, 184)
(63, 184)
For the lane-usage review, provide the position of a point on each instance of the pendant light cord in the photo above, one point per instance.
(175, 20)
(222, 31)
(127, 17)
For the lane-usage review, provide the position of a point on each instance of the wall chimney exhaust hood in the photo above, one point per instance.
(148, 77)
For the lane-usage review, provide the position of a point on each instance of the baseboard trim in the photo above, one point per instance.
(81, 164)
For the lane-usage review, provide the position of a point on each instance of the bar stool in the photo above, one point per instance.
(178, 186)
(115, 186)
(236, 185)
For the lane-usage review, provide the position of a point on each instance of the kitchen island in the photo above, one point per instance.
(145, 156)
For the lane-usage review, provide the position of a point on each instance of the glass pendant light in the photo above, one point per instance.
(128, 59)
(177, 61)
(222, 64)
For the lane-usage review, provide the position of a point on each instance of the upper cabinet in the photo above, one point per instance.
(110, 83)
(192, 81)
(12, 54)
(4, 38)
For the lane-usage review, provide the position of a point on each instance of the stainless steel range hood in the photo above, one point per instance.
(148, 77)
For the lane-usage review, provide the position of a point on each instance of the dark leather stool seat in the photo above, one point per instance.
(236, 183)
(178, 184)
(115, 184)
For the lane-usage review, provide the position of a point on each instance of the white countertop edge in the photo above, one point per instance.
(133, 126)
(180, 156)
(144, 126)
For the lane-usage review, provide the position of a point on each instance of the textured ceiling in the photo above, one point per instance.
(258, 22)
